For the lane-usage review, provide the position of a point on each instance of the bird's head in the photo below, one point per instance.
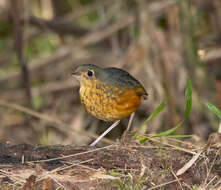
(86, 73)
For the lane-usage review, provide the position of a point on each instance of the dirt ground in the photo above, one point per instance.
(156, 164)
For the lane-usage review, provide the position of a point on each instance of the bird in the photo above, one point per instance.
(109, 94)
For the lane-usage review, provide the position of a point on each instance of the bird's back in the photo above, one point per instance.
(120, 78)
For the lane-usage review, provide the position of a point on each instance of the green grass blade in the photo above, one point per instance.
(188, 101)
(188, 98)
(142, 139)
(155, 112)
(214, 109)
(166, 133)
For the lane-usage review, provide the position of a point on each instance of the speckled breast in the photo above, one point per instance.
(109, 103)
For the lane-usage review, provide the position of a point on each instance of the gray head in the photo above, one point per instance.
(87, 72)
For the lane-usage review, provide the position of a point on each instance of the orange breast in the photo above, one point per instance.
(108, 103)
(125, 104)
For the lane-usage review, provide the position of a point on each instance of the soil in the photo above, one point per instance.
(151, 165)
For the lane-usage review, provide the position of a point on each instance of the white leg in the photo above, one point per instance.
(130, 121)
(105, 132)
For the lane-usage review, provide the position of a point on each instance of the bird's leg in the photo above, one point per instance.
(128, 127)
(105, 132)
(130, 121)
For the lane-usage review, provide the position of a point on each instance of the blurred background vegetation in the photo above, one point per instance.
(160, 42)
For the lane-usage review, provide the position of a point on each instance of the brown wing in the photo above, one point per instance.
(140, 91)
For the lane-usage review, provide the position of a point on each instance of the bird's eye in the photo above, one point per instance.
(90, 73)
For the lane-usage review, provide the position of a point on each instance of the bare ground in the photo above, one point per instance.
(151, 165)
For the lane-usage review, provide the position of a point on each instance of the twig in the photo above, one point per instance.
(195, 157)
(70, 166)
(46, 88)
(177, 179)
(215, 185)
(61, 126)
(186, 143)
(210, 181)
(16, 10)
(83, 166)
(163, 184)
(189, 163)
(71, 155)
(60, 55)
(60, 27)
(108, 31)
(174, 146)
(51, 87)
